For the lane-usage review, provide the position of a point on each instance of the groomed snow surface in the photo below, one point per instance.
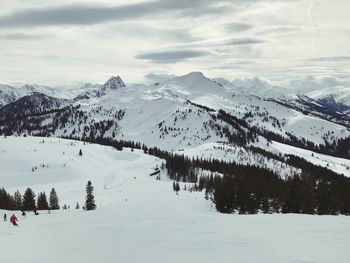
(140, 219)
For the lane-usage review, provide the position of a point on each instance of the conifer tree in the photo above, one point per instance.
(177, 187)
(18, 200)
(224, 195)
(54, 200)
(29, 200)
(42, 203)
(243, 196)
(90, 199)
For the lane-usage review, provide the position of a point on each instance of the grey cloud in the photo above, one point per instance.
(171, 56)
(240, 42)
(243, 41)
(279, 29)
(238, 27)
(23, 36)
(144, 32)
(158, 77)
(93, 14)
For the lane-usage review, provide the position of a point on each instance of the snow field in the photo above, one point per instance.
(140, 219)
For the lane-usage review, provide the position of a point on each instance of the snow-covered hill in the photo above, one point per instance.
(43, 163)
(139, 218)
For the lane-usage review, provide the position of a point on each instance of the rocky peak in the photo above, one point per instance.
(114, 83)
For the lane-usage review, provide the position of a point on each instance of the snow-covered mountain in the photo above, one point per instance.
(9, 94)
(185, 114)
(37, 101)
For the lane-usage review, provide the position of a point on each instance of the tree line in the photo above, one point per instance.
(250, 189)
(30, 202)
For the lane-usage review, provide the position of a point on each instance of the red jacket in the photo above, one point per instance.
(13, 219)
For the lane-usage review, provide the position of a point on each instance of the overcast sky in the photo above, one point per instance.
(56, 42)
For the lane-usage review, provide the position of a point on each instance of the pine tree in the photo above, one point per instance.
(29, 200)
(243, 196)
(80, 153)
(77, 206)
(90, 199)
(292, 203)
(18, 200)
(224, 195)
(265, 207)
(54, 200)
(177, 187)
(42, 203)
(6, 200)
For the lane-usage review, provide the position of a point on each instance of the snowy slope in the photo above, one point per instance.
(275, 117)
(338, 165)
(318, 88)
(8, 94)
(140, 219)
(48, 162)
(239, 155)
(338, 94)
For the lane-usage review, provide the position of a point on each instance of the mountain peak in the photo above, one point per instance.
(114, 83)
(192, 77)
(194, 74)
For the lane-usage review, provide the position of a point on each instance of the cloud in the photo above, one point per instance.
(330, 59)
(237, 27)
(269, 38)
(172, 56)
(243, 41)
(145, 32)
(279, 29)
(94, 14)
(158, 77)
(23, 36)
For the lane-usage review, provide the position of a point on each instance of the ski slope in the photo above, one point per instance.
(140, 219)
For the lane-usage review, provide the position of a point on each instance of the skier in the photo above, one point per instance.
(5, 217)
(13, 220)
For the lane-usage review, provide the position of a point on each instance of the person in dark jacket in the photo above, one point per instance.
(13, 220)
(5, 217)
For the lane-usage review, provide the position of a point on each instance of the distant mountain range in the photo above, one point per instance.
(194, 115)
